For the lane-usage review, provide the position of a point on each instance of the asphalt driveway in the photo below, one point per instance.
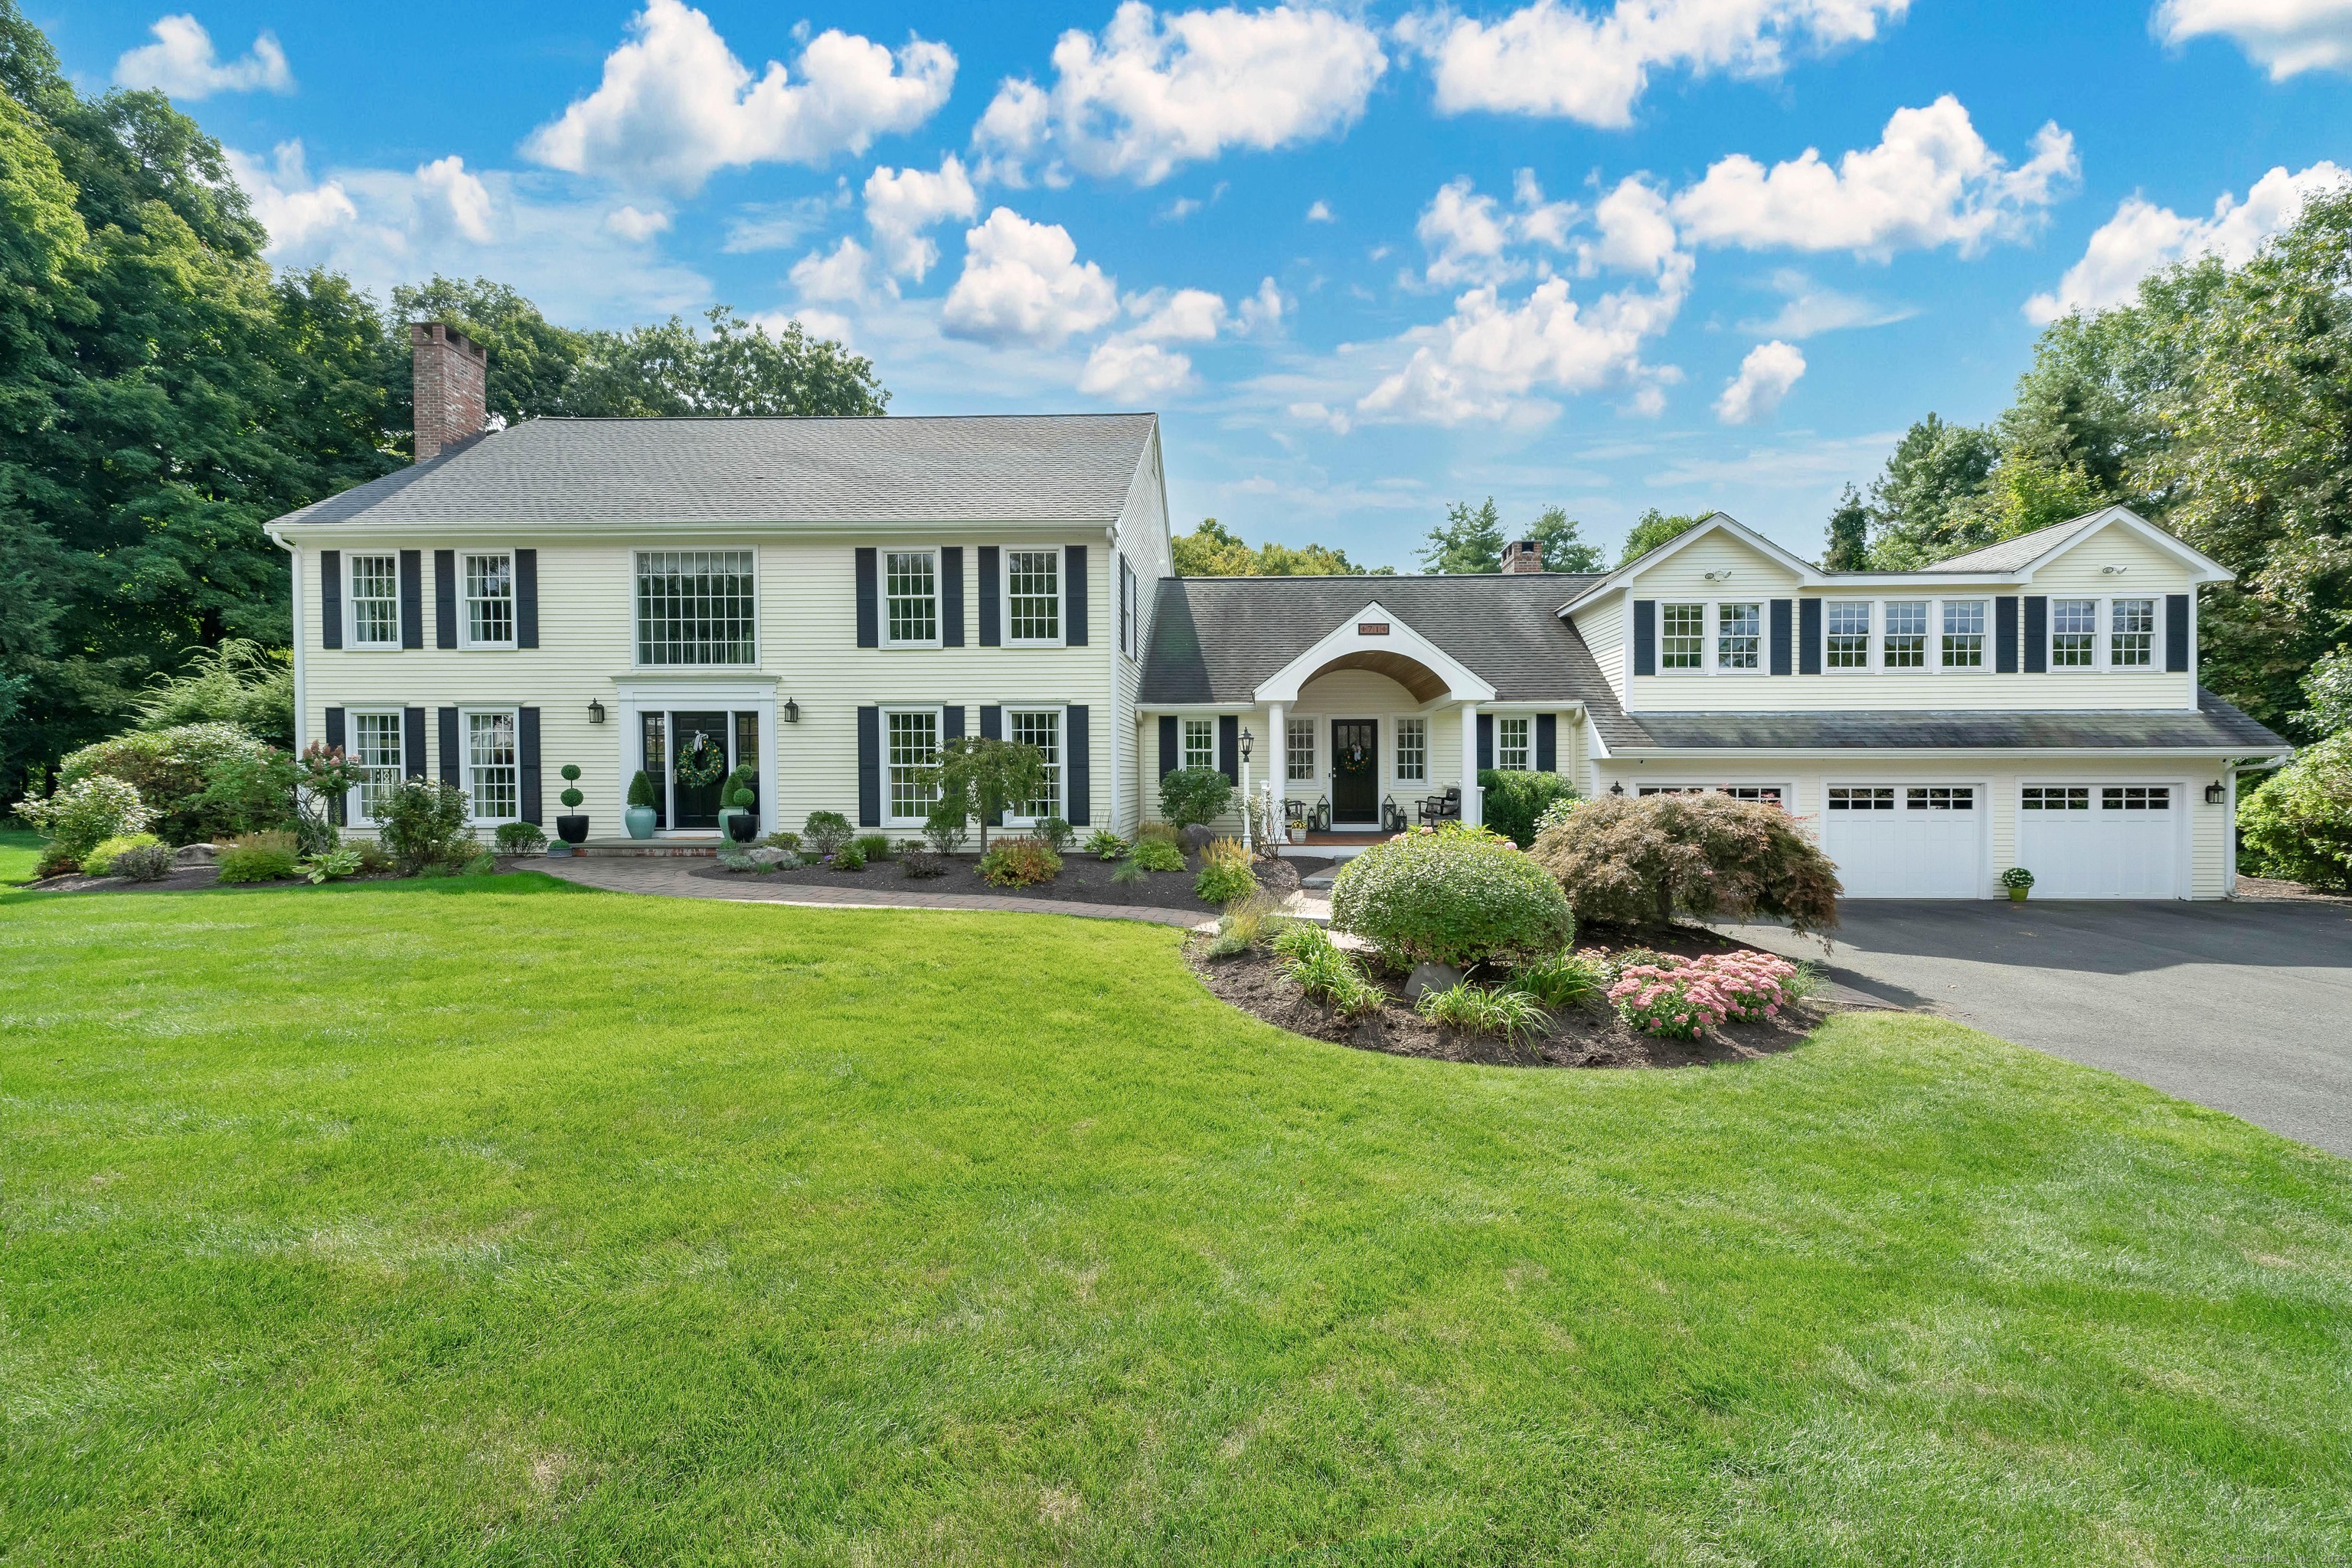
(2246, 1007)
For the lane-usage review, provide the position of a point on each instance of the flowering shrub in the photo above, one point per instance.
(85, 813)
(1019, 863)
(1456, 896)
(1634, 861)
(1678, 997)
(194, 778)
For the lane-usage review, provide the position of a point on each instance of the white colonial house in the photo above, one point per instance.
(830, 599)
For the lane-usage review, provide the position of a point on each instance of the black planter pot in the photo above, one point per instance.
(572, 829)
(743, 828)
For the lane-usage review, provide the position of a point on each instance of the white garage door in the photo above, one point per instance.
(1907, 841)
(2101, 841)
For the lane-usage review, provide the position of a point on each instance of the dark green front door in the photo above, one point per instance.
(697, 746)
(1355, 772)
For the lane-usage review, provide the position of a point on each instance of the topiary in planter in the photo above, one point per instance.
(1458, 896)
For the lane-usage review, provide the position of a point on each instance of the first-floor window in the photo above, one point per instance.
(1298, 750)
(375, 751)
(1412, 750)
(2073, 633)
(912, 744)
(1768, 795)
(1511, 745)
(1043, 731)
(493, 774)
(2131, 633)
(375, 601)
(1200, 743)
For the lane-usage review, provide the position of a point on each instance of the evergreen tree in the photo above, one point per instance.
(1469, 540)
(1212, 549)
(1655, 528)
(1919, 505)
(1849, 548)
(1561, 539)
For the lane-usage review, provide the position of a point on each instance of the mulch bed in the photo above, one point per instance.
(1592, 1036)
(1083, 881)
(186, 877)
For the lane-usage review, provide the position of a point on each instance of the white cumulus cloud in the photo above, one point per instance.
(2285, 37)
(1931, 180)
(901, 203)
(1154, 92)
(675, 105)
(1471, 236)
(1135, 362)
(1550, 59)
(1022, 283)
(448, 194)
(1765, 377)
(2143, 239)
(293, 209)
(838, 273)
(182, 62)
(1126, 367)
(634, 223)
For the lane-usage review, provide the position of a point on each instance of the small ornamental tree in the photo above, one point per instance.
(1191, 797)
(323, 776)
(1626, 861)
(986, 778)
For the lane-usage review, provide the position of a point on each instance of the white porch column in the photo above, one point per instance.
(1472, 814)
(1277, 767)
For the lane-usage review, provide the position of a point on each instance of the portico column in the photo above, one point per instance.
(1472, 814)
(1277, 773)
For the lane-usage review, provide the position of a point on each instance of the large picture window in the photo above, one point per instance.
(911, 746)
(695, 607)
(910, 593)
(1033, 592)
(1043, 731)
(375, 751)
(1412, 750)
(493, 772)
(375, 601)
(490, 601)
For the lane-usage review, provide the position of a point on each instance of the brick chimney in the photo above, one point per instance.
(452, 371)
(1523, 555)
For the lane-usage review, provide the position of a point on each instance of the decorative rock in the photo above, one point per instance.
(1196, 837)
(1428, 977)
(187, 853)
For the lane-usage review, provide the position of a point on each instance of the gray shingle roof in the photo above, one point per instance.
(2016, 554)
(2215, 726)
(1076, 467)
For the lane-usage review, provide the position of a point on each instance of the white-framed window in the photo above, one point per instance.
(1769, 794)
(1200, 743)
(1940, 797)
(1041, 728)
(1862, 797)
(487, 580)
(1904, 643)
(1727, 637)
(910, 760)
(910, 598)
(2136, 797)
(375, 751)
(697, 607)
(374, 595)
(1681, 637)
(1298, 750)
(1412, 750)
(1033, 596)
(2055, 797)
(2131, 633)
(1130, 608)
(2074, 634)
(1964, 634)
(1513, 751)
(493, 766)
(1739, 637)
(1845, 636)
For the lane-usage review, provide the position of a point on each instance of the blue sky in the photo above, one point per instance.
(1365, 260)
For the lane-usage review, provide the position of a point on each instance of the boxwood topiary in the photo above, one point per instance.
(1458, 896)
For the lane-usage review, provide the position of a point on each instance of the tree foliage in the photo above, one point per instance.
(1471, 540)
(982, 777)
(1655, 528)
(2298, 824)
(1212, 549)
(1628, 861)
(1849, 545)
(1562, 541)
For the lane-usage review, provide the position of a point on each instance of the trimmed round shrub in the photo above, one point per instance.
(200, 781)
(1019, 863)
(1194, 796)
(1512, 802)
(81, 814)
(2298, 824)
(1458, 896)
(99, 861)
(1628, 860)
(826, 831)
(519, 839)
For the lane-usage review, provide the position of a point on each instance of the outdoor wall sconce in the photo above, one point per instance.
(1248, 741)
(792, 711)
(2213, 792)
(595, 712)
(1618, 790)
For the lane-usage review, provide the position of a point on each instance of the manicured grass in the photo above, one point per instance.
(505, 1223)
(20, 854)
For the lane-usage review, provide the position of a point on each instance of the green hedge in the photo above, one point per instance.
(1512, 803)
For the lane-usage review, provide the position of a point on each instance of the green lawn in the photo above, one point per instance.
(506, 1222)
(20, 854)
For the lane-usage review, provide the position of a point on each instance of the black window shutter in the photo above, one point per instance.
(1645, 636)
(1073, 595)
(2004, 634)
(869, 767)
(449, 773)
(330, 598)
(951, 721)
(526, 580)
(445, 599)
(2037, 634)
(412, 598)
(951, 595)
(335, 733)
(991, 723)
(1783, 612)
(2176, 633)
(1486, 742)
(1546, 742)
(1809, 636)
(1078, 810)
(869, 599)
(992, 613)
(1229, 747)
(1123, 644)
(1166, 744)
(411, 727)
(527, 755)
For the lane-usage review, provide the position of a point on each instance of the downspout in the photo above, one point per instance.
(1119, 610)
(301, 691)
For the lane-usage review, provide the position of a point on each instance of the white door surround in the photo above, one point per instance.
(638, 695)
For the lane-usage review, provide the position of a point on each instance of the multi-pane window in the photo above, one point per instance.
(2073, 633)
(911, 750)
(490, 601)
(1512, 754)
(1906, 641)
(2056, 797)
(375, 601)
(2136, 797)
(910, 593)
(695, 607)
(1766, 794)
(1846, 636)
(1681, 637)
(1940, 797)
(2131, 633)
(1033, 581)
(1964, 628)
(1412, 751)
(1739, 637)
(1043, 731)
(375, 751)
(1862, 797)
(1130, 628)
(1200, 743)
(1298, 750)
(493, 774)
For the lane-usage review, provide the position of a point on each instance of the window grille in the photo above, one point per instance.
(1033, 583)
(1511, 745)
(1906, 635)
(1681, 637)
(2131, 641)
(1739, 637)
(2056, 797)
(489, 600)
(375, 601)
(2073, 633)
(493, 774)
(1866, 798)
(375, 751)
(1848, 635)
(695, 607)
(2136, 797)
(913, 760)
(1298, 748)
(1043, 731)
(1412, 750)
(910, 585)
(1200, 743)
(1769, 794)
(1964, 625)
(1940, 797)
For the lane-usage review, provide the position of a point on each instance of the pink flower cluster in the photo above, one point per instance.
(1680, 996)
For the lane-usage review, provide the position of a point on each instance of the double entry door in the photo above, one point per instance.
(688, 756)
(1355, 772)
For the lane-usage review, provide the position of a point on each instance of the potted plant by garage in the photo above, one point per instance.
(639, 816)
(572, 828)
(735, 797)
(2018, 881)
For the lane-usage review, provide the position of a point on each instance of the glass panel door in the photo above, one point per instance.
(697, 769)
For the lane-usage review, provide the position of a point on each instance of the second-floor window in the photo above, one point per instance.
(1512, 755)
(910, 591)
(1032, 583)
(490, 601)
(1681, 637)
(2073, 633)
(1711, 636)
(1846, 635)
(2131, 633)
(375, 601)
(695, 607)
(1200, 743)
(1739, 637)
(1964, 634)
(1905, 642)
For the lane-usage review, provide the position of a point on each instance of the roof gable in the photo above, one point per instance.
(2028, 552)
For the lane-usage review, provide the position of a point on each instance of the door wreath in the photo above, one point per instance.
(703, 764)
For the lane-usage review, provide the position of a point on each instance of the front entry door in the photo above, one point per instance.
(698, 745)
(1355, 772)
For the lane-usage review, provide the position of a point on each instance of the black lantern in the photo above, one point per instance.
(792, 711)
(2213, 792)
(595, 712)
(1248, 741)
(1617, 789)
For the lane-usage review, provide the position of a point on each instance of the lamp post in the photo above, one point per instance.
(1248, 741)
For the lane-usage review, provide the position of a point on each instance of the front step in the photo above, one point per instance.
(706, 848)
